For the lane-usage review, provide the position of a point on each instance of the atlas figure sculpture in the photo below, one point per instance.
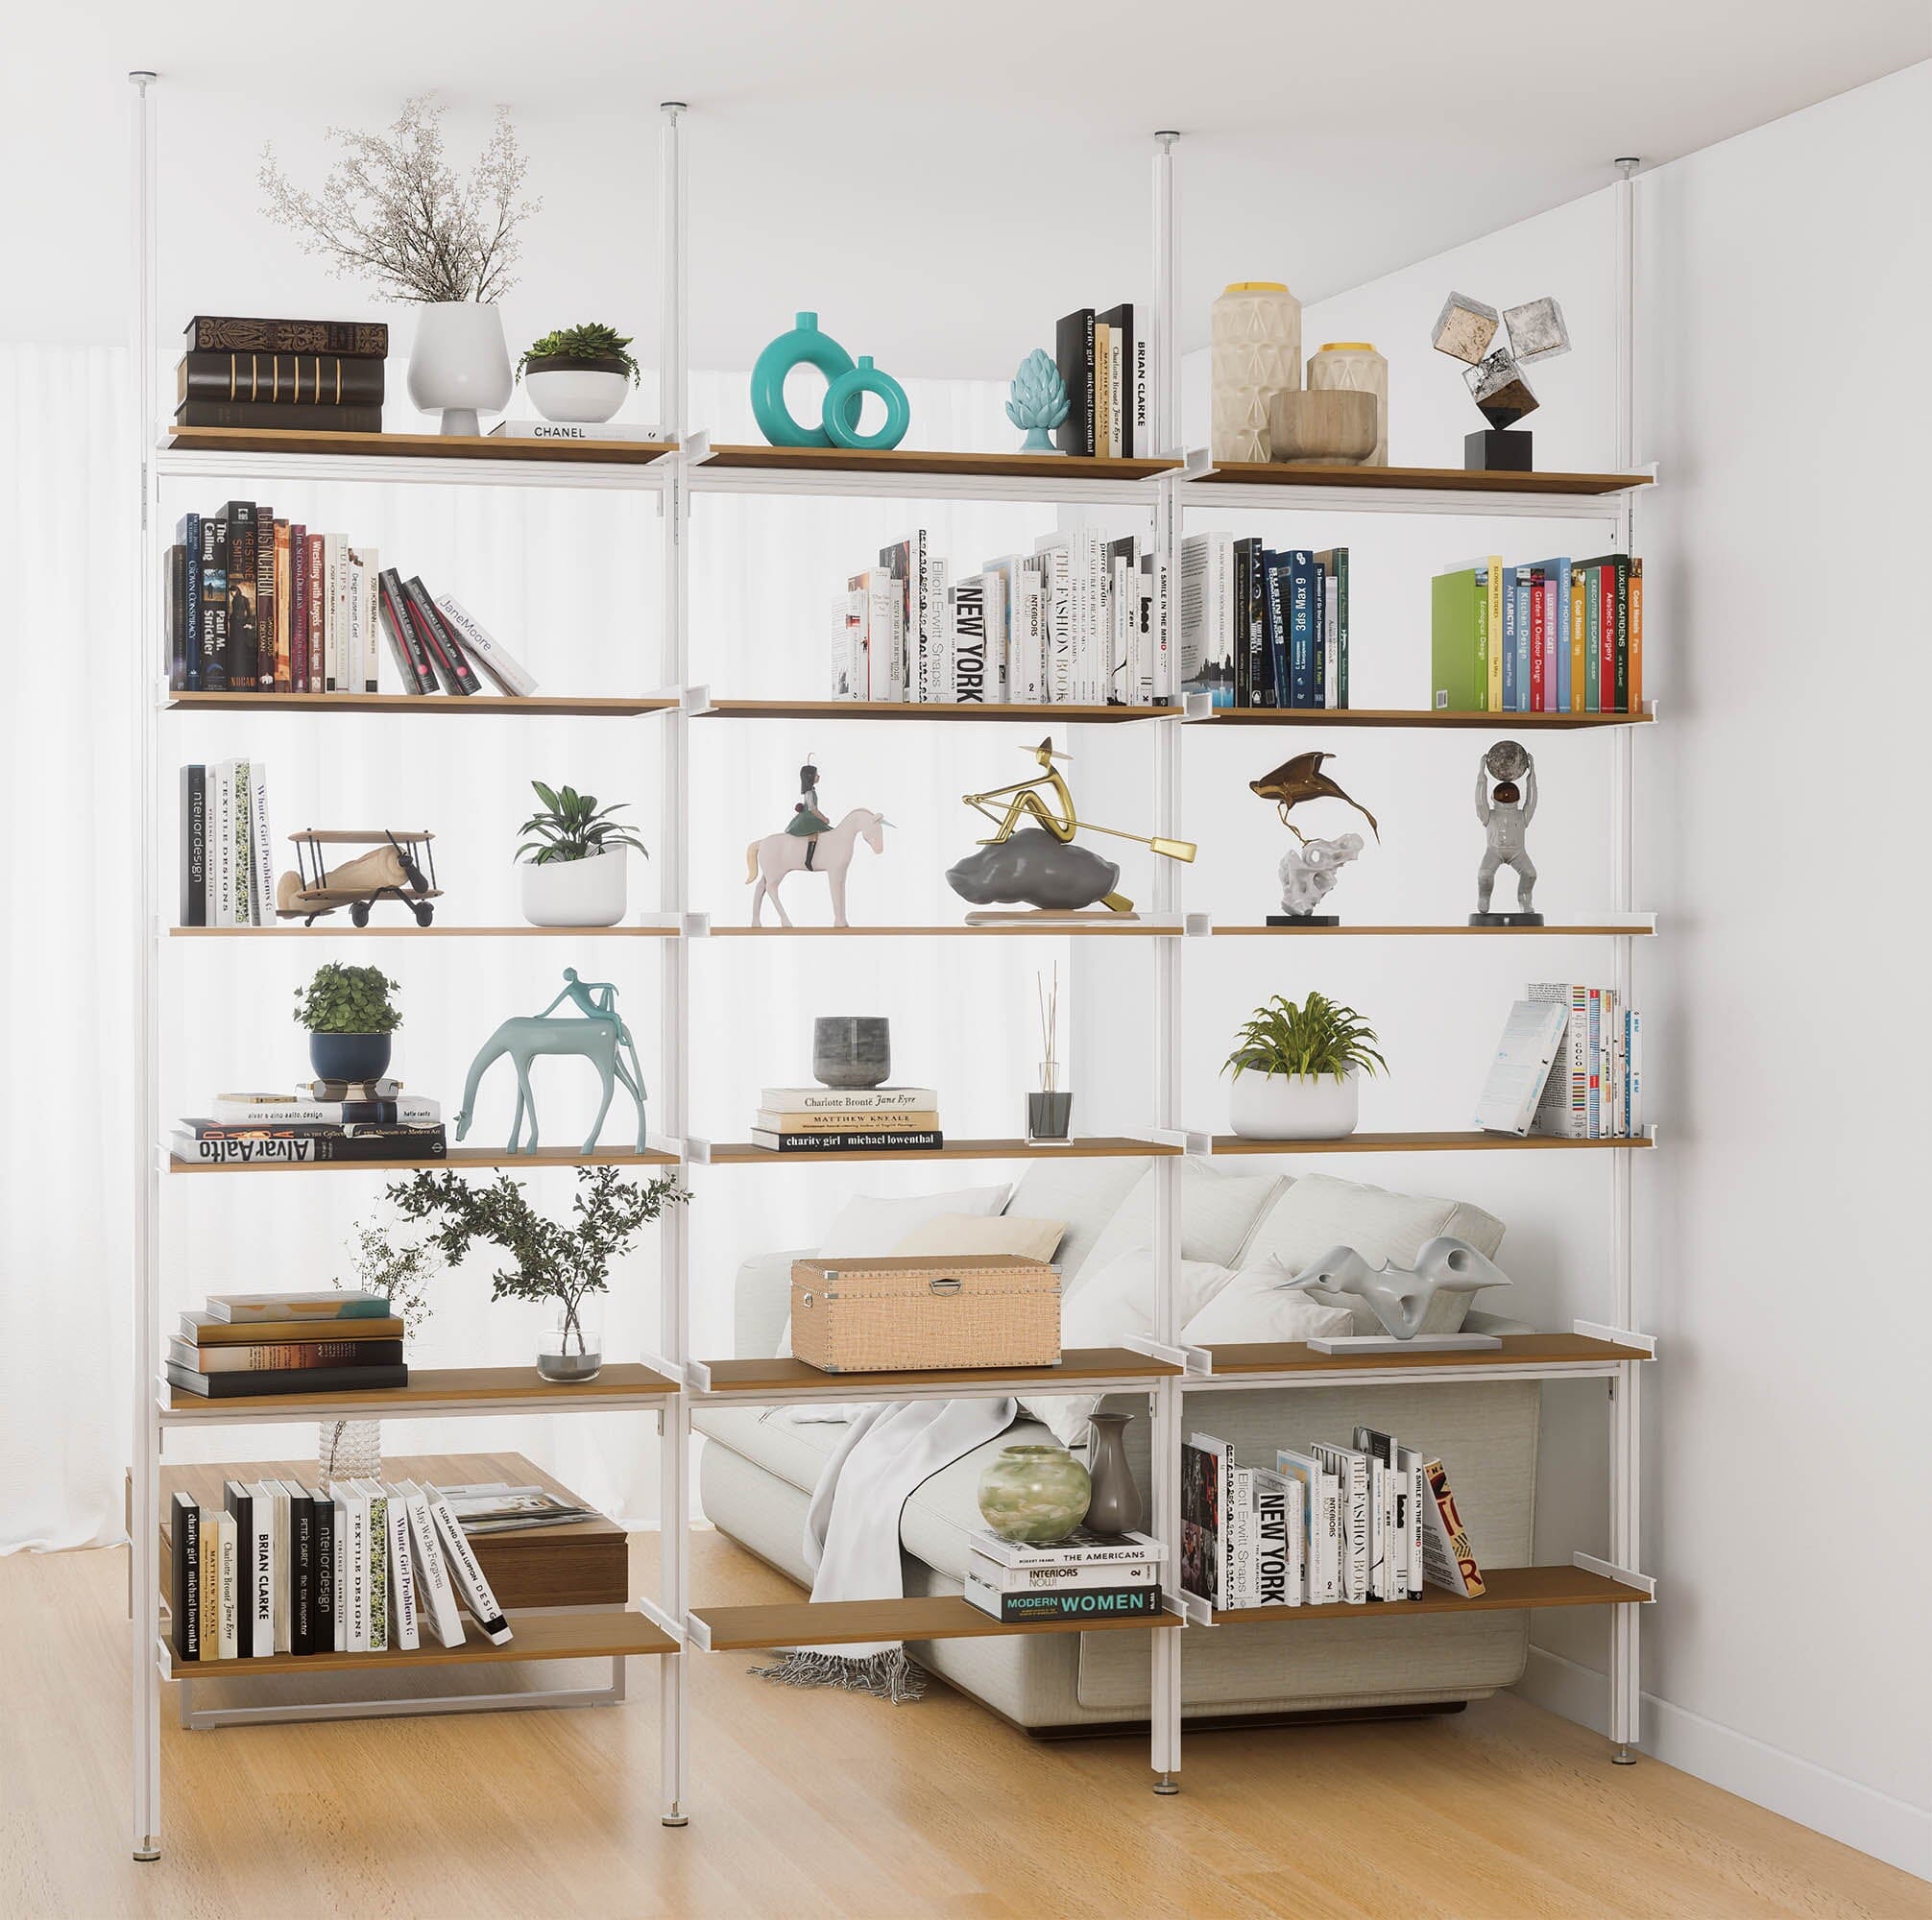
(1506, 812)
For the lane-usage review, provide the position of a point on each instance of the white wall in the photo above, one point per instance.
(1783, 285)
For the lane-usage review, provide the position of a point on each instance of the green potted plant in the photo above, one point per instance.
(578, 374)
(564, 1265)
(350, 1018)
(1296, 1070)
(571, 867)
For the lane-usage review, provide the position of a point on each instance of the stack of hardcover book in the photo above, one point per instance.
(1261, 626)
(1103, 359)
(300, 376)
(242, 1345)
(345, 1566)
(847, 1119)
(1085, 1576)
(325, 1120)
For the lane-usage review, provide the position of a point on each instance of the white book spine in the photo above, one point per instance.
(261, 1576)
(1330, 646)
(357, 1507)
(939, 642)
(1047, 1579)
(402, 1631)
(487, 650)
(331, 613)
(261, 848)
(284, 1570)
(368, 564)
(228, 1589)
(437, 1597)
(999, 642)
(1238, 1572)
(466, 1574)
(1416, 1482)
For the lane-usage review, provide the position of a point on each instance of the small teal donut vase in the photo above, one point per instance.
(803, 345)
(844, 397)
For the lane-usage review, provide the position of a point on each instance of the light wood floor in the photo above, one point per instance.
(829, 1805)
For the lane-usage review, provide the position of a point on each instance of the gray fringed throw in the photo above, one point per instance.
(886, 1676)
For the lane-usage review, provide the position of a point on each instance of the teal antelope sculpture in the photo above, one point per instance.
(598, 1036)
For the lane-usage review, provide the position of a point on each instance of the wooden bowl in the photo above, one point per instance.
(1321, 428)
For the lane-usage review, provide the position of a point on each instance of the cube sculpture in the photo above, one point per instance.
(1466, 330)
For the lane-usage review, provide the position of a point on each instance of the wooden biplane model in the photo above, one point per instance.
(391, 871)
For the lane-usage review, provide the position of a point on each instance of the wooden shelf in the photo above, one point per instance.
(1504, 1586)
(1446, 930)
(1032, 712)
(1518, 1349)
(1418, 716)
(1423, 1142)
(1096, 1146)
(419, 446)
(587, 1633)
(430, 1390)
(457, 1156)
(1422, 479)
(752, 1377)
(836, 1623)
(941, 467)
(585, 706)
(345, 929)
(1045, 929)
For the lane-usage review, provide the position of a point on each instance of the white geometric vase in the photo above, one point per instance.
(458, 364)
(1354, 366)
(1254, 338)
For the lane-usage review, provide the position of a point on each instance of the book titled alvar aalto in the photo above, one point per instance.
(376, 1144)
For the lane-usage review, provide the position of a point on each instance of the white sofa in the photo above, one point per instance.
(759, 1468)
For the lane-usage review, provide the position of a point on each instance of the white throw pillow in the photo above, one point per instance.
(1319, 1212)
(1116, 1301)
(873, 1225)
(1218, 1212)
(984, 1234)
(1254, 1306)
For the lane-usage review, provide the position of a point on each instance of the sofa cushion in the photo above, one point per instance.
(1255, 1306)
(795, 1454)
(976, 1234)
(1217, 1213)
(870, 1225)
(1319, 1213)
(1082, 1192)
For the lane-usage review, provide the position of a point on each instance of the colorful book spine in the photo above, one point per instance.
(193, 570)
(1492, 633)
(1538, 625)
(239, 574)
(1637, 604)
(1509, 656)
(314, 600)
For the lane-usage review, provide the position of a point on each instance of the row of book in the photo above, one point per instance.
(243, 1345)
(1073, 621)
(847, 1119)
(1085, 1576)
(1263, 627)
(257, 604)
(1326, 1525)
(356, 1565)
(1103, 365)
(1554, 635)
(327, 1121)
(1570, 1062)
(228, 851)
(297, 375)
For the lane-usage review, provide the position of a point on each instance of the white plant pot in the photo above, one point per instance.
(574, 893)
(458, 364)
(1293, 1106)
(579, 396)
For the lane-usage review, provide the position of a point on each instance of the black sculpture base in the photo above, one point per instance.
(1496, 451)
(1304, 920)
(1506, 920)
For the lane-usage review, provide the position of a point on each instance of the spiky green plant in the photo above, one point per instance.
(591, 342)
(571, 827)
(1315, 1037)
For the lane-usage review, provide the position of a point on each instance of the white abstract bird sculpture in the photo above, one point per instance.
(1396, 1296)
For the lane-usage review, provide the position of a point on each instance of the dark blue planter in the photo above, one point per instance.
(348, 1056)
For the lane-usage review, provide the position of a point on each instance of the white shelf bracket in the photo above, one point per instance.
(1196, 925)
(698, 1152)
(696, 926)
(665, 1622)
(698, 1634)
(1197, 706)
(697, 447)
(1608, 1569)
(698, 1375)
(1191, 1608)
(1196, 464)
(1196, 1362)
(696, 700)
(1621, 1336)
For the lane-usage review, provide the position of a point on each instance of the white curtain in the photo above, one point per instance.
(570, 580)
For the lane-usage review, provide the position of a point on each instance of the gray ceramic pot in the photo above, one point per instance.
(848, 1051)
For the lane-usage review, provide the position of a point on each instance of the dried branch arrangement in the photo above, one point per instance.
(1050, 1029)
(392, 209)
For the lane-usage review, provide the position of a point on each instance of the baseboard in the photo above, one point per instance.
(1861, 1817)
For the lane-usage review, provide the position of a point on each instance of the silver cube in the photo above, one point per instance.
(1537, 331)
(1501, 393)
(1464, 328)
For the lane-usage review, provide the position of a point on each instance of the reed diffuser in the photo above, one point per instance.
(1050, 1112)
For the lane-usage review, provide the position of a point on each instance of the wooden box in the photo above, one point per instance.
(906, 1312)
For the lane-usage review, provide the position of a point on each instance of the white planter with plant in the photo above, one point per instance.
(578, 374)
(1297, 1071)
(571, 874)
(391, 211)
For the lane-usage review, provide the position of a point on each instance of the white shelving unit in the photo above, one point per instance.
(671, 1629)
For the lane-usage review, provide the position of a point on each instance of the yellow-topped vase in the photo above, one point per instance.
(1354, 366)
(1255, 353)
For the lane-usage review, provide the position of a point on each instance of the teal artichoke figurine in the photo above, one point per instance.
(1039, 401)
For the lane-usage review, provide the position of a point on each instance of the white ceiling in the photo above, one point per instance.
(938, 184)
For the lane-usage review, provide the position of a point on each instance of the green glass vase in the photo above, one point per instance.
(1034, 1495)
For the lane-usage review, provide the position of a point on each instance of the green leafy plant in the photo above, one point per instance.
(1317, 1037)
(594, 342)
(571, 827)
(347, 999)
(399, 1269)
(566, 1264)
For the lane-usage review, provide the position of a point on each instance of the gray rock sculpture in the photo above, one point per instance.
(1310, 871)
(1399, 1297)
(1034, 869)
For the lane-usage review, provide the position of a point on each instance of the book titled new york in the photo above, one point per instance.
(838, 1140)
(280, 1379)
(353, 339)
(1110, 1602)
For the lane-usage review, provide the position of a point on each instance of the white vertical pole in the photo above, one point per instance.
(674, 1285)
(144, 1507)
(1626, 1458)
(1165, 1716)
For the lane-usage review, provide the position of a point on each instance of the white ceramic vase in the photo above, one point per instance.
(574, 893)
(1255, 352)
(1293, 1106)
(458, 364)
(577, 395)
(1354, 366)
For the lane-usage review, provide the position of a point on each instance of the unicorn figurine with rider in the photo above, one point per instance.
(810, 844)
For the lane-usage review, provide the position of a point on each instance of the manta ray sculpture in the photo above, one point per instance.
(1302, 779)
(1396, 1296)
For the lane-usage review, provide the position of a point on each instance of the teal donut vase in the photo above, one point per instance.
(846, 396)
(802, 347)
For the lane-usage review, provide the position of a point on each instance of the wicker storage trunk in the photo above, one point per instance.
(912, 1312)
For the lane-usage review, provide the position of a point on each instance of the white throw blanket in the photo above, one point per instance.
(852, 1528)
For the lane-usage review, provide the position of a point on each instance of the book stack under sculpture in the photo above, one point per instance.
(1085, 1576)
(847, 1119)
(323, 1121)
